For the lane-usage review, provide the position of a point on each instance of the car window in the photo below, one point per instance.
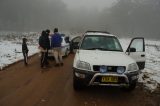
(138, 45)
(107, 43)
(63, 40)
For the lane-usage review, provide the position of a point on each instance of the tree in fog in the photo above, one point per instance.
(134, 18)
(124, 18)
(31, 14)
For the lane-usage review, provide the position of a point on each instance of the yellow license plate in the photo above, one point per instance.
(109, 79)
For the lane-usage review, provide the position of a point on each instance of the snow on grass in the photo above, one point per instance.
(11, 47)
(150, 78)
(10, 53)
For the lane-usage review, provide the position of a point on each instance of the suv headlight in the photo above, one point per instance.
(83, 65)
(120, 69)
(133, 67)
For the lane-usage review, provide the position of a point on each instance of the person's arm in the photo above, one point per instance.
(61, 39)
(48, 44)
(41, 42)
(27, 48)
(24, 47)
(51, 41)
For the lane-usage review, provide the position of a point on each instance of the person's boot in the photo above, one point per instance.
(56, 65)
(62, 64)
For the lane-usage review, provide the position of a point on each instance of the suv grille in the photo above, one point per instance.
(109, 68)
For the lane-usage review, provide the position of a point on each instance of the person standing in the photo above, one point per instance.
(43, 46)
(48, 44)
(25, 51)
(56, 41)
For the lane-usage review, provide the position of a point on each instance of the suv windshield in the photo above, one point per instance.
(99, 42)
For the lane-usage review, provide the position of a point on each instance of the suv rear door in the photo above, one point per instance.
(136, 50)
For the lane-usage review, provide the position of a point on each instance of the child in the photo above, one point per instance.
(25, 51)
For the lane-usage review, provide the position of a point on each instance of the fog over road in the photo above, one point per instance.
(28, 86)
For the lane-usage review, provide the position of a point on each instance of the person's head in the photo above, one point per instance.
(43, 33)
(55, 30)
(24, 40)
(48, 31)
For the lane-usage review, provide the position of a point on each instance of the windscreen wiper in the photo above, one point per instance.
(116, 50)
(104, 49)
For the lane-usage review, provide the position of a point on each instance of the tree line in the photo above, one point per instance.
(124, 18)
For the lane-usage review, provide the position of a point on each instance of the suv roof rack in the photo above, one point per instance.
(98, 32)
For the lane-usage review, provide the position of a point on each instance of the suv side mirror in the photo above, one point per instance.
(76, 45)
(67, 40)
(132, 50)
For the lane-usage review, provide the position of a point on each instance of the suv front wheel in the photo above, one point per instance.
(77, 84)
(131, 86)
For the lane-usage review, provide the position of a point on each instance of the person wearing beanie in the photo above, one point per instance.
(25, 51)
(43, 46)
(56, 41)
(48, 44)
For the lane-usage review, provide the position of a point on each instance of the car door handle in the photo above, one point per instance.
(142, 55)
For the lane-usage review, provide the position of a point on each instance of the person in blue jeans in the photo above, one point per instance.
(56, 41)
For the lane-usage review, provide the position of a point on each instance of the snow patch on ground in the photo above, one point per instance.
(10, 53)
(150, 78)
(11, 47)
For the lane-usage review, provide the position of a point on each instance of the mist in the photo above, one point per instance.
(129, 18)
(27, 15)
(134, 18)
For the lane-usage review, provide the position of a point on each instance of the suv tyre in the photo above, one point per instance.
(77, 84)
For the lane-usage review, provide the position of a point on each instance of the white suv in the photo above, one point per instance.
(100, 60)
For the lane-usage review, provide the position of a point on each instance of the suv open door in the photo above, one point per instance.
(74, 44)
(136, 50)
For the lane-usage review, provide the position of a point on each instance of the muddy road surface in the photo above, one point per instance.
(28, 86)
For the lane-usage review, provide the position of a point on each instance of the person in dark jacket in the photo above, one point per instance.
(44, 45)
(56, 41)
(48, 43)
(25, 51)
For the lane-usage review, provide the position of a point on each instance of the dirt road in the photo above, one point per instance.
(27, 86)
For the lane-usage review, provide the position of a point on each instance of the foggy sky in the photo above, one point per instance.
(89, 4)
(129, 18)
